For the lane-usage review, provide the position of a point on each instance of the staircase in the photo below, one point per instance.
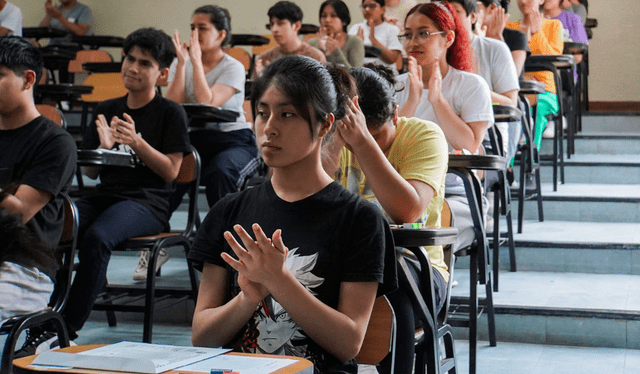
(578, 278)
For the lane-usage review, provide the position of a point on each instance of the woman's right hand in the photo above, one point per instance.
(182, 51)
(416, 85)
(435, 84)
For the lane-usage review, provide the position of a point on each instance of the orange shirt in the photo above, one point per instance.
(547, 41)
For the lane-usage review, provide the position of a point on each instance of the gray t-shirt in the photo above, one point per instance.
(495, 64)
(80, 13)
(230, 72)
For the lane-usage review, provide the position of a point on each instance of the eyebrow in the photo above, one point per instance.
(279, 105)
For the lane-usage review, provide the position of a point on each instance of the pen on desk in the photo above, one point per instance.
(221, 371)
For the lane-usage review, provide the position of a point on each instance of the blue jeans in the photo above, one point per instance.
(227, 159)
(105, 223)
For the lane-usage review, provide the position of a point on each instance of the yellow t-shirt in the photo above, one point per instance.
(547, 41)
(419, 151)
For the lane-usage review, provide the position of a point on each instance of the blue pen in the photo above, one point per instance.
(221, 371)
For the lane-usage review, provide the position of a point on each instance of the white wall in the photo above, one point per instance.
(614, 50)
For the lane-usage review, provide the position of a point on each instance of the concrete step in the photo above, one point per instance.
(599, 143)
(593, 123)
(597, 310)
(586, 202)
(594, 168)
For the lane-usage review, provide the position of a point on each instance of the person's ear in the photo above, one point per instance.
(297, 25)
(450, 38)
(221, 35)
(473, 17)
(326, 126)
(164, 73)
(29, 79)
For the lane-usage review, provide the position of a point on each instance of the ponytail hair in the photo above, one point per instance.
(312, 88)
(446, 19)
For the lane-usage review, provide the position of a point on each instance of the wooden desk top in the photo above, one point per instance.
(21, 365)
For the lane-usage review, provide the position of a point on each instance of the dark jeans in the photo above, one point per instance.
(227, 159)
(406, 322)
(104, 223)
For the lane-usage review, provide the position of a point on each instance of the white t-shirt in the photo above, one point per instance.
(11, 18)
(495, 64)
(469, 97)
(230, 72)
(386, 33)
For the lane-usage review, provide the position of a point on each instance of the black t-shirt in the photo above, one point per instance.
(516, 40)
(43, 156)
(161, 123)
(333, 236)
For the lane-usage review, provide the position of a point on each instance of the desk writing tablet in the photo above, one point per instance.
(96, 41)
(42, 32)
(200, 114)
(424, 236)
(104, 157)
(484, 162)
(248, 39)
(21, 365)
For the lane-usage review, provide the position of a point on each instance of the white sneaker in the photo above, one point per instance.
(140, 273)
(549, 131)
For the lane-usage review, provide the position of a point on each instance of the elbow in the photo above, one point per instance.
(350, 350)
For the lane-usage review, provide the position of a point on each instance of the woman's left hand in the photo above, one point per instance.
(261, 260)
(195, 53)
(435, 83)
(353, 126)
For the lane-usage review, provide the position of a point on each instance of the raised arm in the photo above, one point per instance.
(403, 200)
(176, 88)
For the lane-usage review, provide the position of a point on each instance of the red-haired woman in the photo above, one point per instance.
(440, 88)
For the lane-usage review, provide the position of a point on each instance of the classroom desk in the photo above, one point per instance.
(60, 92)
(424, 236)
(38, 33)
(102, 67)
(201, 114)
(248, 39)
(21, 365)
(97, 41)
(103, 157)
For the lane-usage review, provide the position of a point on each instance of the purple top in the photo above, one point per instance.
(573, 24)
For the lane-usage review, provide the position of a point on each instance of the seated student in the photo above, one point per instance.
(440, 88)
(70, 16)
(339, 47)
(374, 31)
(399, 164)
(204, 74)
(396, 10)
(574, 30)
(10, 19)
(37, 164)
(285, 20)
(579, 7)
(495, 14)
(128, 202)
(493, 62)
(293, 266)
(545, 37)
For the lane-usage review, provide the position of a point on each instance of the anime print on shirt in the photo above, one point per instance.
(271, 330)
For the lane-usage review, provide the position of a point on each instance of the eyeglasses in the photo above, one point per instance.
(421, 36)
(369, 6)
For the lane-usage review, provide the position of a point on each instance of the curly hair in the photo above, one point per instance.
(444, 16)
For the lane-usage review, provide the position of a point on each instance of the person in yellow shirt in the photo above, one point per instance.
(545, 37)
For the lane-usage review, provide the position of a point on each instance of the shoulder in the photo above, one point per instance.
(514, 25)
(389, 28)
(313, 52)
(354, 40)
(229, 62)
(52, 134)
(552, 24)
(313, 42)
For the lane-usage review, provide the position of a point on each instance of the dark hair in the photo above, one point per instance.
(285, 10)
(154, 41)
(219, 18)
(469, 6)
(505, 5)
(380, 2)
(312, 88)
(446, 19)
(376, 95)
(341, 10)
(19, 55)
(16, 238)
(487, 3)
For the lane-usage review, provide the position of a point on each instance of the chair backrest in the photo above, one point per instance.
(258, 49)
(240, 55)
(82, 56)
(190, 174)
(66, 253)
(379, 339)
(106, 86)
(52, 113)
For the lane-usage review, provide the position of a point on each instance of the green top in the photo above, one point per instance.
(350, 55)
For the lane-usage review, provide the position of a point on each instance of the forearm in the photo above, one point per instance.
(158, 162)
(519, 57)
(389, 56)
(92, 171)
(505, 98)
(331, 329)
(456, 131)
(396, 195)
(201, 88)
(225, 320)
(74, 28)
(4, 31)
(176, 88)
(45, 21)
(331, 154)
